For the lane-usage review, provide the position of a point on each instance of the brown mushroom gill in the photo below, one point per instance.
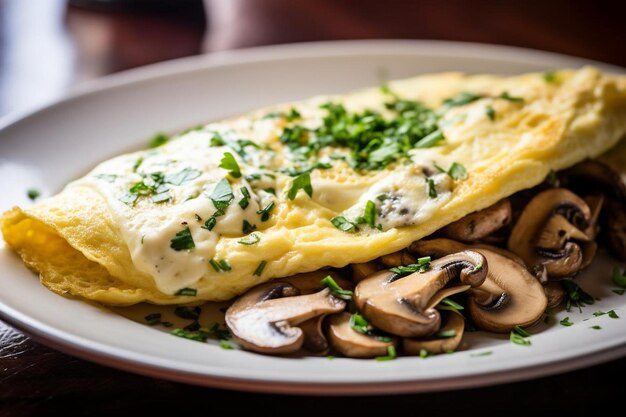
(353, 344)
(401, 305)
(550, 219)
(264, 318)
(509, 296)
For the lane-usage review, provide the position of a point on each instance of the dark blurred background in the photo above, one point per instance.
(49, 46)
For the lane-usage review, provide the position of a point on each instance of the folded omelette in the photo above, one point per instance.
(320, 183)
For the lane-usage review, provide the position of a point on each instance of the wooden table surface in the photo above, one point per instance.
(48, 48)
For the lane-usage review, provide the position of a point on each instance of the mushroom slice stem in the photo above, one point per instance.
(263, 318)
(479, 225)
(401, 305)
(447, 339)
(353, 344)
(527, 232)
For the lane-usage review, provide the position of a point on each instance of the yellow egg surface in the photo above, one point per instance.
(320, 183)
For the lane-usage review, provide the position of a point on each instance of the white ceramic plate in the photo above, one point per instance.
(46, 148)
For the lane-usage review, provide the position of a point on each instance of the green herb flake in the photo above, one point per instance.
(550, 77)
(247, 227)
(220, 265)
(188, 313)
(266, 211)
(370, 213)
(190, 292)
(519, 336)
(301, 182)
(215, 265)
(249, 240)
(619, 278)
(619, 291)
(230, 164)
(422, 265)
(335, 289)
(137, 163)
(430, 140)
(222, 195)
(483, 353)
(153, 319)
(552, 179)
(566, 322)
(596, 327)
(226, 345)
(391, 354)
(225, 265)
(359, 324)
(446, 334)
(506, 96)
(107, 177)
(424, 353)
(612, 314)
(33, 194)
(450, 305)
(191, 335)
(183, 240)
(245, 200)
(183, 176)
(259, 269)
(490, 112)
(210, 223)
(432, 190)
(344, 224)
(159, 139)
(457, 171)
(575, 296)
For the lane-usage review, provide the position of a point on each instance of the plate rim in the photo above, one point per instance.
(97, 352)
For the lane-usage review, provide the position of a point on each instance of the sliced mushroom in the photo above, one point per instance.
(314, 338)
(397, 258)
(264, 318)
(363, 270)
(353, 344)
(544, 210)
(509, 296)
(401, 305)
(310, 282)
(589, 175)
(479, 225)
(447, 339)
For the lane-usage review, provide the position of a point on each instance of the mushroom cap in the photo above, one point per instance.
(438, 344)
(480, 224)
(401, 305)
(536, 215)
(263, 319)
(353, 344)
(510, 296)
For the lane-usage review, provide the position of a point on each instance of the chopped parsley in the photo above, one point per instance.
(460, 100)
(369, 214)
(294, 172)
(550, 77)
(446, 334)
(247, 227)
(335, 289)
(183, 176)
(490, 112)
(159, 139)
(220, 266)
(575, 296)
(249, 240)
(422, 265)
(450, 305)
(612, 314)
(107, 177)
(301, 182)
(292, 115)
(596, 327)
(430, 140)
(222, 195)
(183, 240)
(506, 96)
(259, 269)
(432, 189)
(191, 292)
(153, 319)
(189, 313)
(391, 354)
(33, 194)
(344, 224)
(239, 145)
(566, 322)
(456, 171)
(519, 336)
(552, 179)
(266, 211)
(230, 164)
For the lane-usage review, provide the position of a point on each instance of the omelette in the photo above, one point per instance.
(298, 187)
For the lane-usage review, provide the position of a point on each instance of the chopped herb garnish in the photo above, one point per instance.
(619, 292)
(596, 327)
(566, 322)
(215, 265)
(33, 194)
(183, 240)
(369, 215)
(183, 176)
(191, 292)
(446, 334)
(391, 354)
(189, 313)
(191, 335)
(484, 353)
(430, 140)
(290, 117)
(448, 304)
(457, 171)
(249, 240)
(270, 190)
(344, 224)
(153, 319)
(506, 96)
(460, 100)
(301, 182)
(210, 223)
(519, 336)
(424, 353)
(550, 77)
(230, 164)
(107, 177)
(599, 313)
(225, 265)
(225, 344)
(619, 278)
(422, 265)
(247, 227)
(432, 189)
(245, 200)
(221, 265)
(294, 172)
(137, 163)
(259, 269)
(335, 289)
(158, 139)
(575, 296)
(266, 211)
(552, 179)
(612, 314)
(222, 195)
(490, 112)
(359, 324)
